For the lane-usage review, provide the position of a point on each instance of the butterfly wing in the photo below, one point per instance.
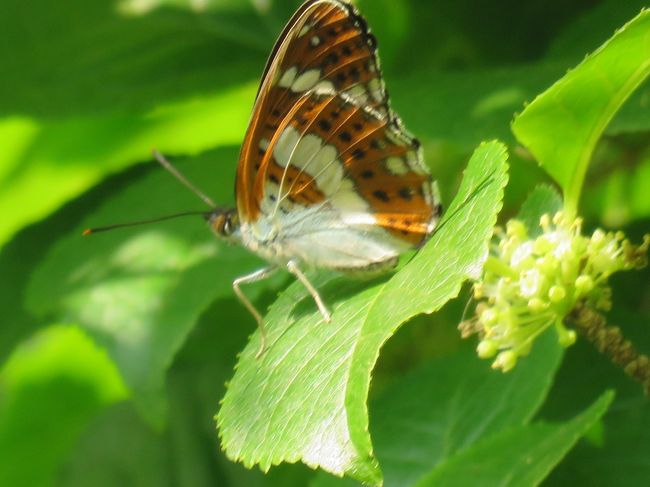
(327, 172)
(345, 186)
(326, 47)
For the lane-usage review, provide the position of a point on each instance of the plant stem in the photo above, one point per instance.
(610, 341)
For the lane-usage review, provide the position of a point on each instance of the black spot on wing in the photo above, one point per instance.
(381, 195)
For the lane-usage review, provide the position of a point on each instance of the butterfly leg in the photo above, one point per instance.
(293, 268)
(254, 277)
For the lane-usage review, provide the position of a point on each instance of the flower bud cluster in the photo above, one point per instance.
(531, 283)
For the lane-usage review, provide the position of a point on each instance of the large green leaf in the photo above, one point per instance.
(451, 404)
(520, 457)
(139, 292)
(561, 126)
(50, 389)
(427, 417)
(621, 440)
(194, 385)
(88, 89)
(305, 398)
(47, 163)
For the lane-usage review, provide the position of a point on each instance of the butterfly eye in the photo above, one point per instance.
(227, 225)
(230, 224)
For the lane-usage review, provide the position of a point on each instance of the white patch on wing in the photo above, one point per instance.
(324, 87)
(358, 93)
(315, 41)
(359, 219)
(426, 191)
(376, 90)
(306, 152)
(264, 144)
(436, 192)
(432, 225)
(270, 197)
(314, 158)
(306, 81)
(415, 163)
(288, 77)
(285, 145)
(396, 165)
(347, 200)
(329, 177)
(394, 137)
(310, 155)
(269, 204)
(306, 28)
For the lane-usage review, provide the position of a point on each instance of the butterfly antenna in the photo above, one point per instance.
(168, 165)
(90, 231)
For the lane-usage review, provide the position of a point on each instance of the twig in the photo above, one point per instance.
(610, 341)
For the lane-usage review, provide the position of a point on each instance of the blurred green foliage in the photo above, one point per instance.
(126, 391)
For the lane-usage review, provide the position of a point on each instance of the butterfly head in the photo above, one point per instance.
(224, 222)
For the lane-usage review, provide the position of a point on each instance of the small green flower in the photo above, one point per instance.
(530, 284)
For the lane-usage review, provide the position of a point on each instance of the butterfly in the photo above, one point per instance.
(327, 175)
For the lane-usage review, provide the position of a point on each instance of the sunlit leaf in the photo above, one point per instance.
(305, 398)
(139, 292)
(51, 162)
(50, 388)
(561, 126)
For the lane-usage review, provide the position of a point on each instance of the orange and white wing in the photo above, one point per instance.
(327, 172)
(326, 47)
(345, 187)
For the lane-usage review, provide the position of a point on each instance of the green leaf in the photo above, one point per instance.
(305, 398)
(621, 196)
(194, 384)
(584, 374)
(541, 200)
(464, 108)
(523, 456)
(561, 126)
(50, 162)
(111, 84)
(626, 443)
(101, 457)
(139, 292)
(50, 388)
(441, 409)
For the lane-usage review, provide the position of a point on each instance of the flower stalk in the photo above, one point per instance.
(609, 340)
